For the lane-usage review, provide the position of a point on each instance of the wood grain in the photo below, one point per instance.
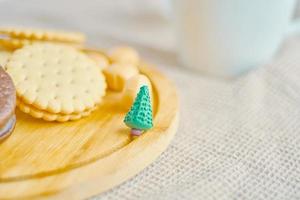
(75, 160)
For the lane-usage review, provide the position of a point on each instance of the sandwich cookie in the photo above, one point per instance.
(7, 105)
(56, 82)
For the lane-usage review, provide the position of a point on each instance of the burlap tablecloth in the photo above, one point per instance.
(237, 139)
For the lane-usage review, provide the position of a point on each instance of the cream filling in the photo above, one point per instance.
(8, 126)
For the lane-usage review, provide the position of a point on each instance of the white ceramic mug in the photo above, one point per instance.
(228, 37)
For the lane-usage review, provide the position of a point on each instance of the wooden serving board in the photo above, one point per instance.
(75, 160)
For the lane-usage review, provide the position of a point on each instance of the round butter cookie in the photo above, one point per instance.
(118, 73)
(16, 43)
(36, 113)
(56, 78)
(41, 34)
(124, 54)
(4, 56)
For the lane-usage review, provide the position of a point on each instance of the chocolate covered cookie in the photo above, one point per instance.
(7, 104)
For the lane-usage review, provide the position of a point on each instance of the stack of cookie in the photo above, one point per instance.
(14, 38)
(54, 81)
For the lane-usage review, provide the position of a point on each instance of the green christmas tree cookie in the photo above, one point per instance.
(139, 118)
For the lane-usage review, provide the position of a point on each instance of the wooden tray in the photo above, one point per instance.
(75, 160)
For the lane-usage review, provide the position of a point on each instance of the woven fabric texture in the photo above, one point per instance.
(237, 139)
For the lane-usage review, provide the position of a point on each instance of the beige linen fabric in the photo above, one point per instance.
(237, 139)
